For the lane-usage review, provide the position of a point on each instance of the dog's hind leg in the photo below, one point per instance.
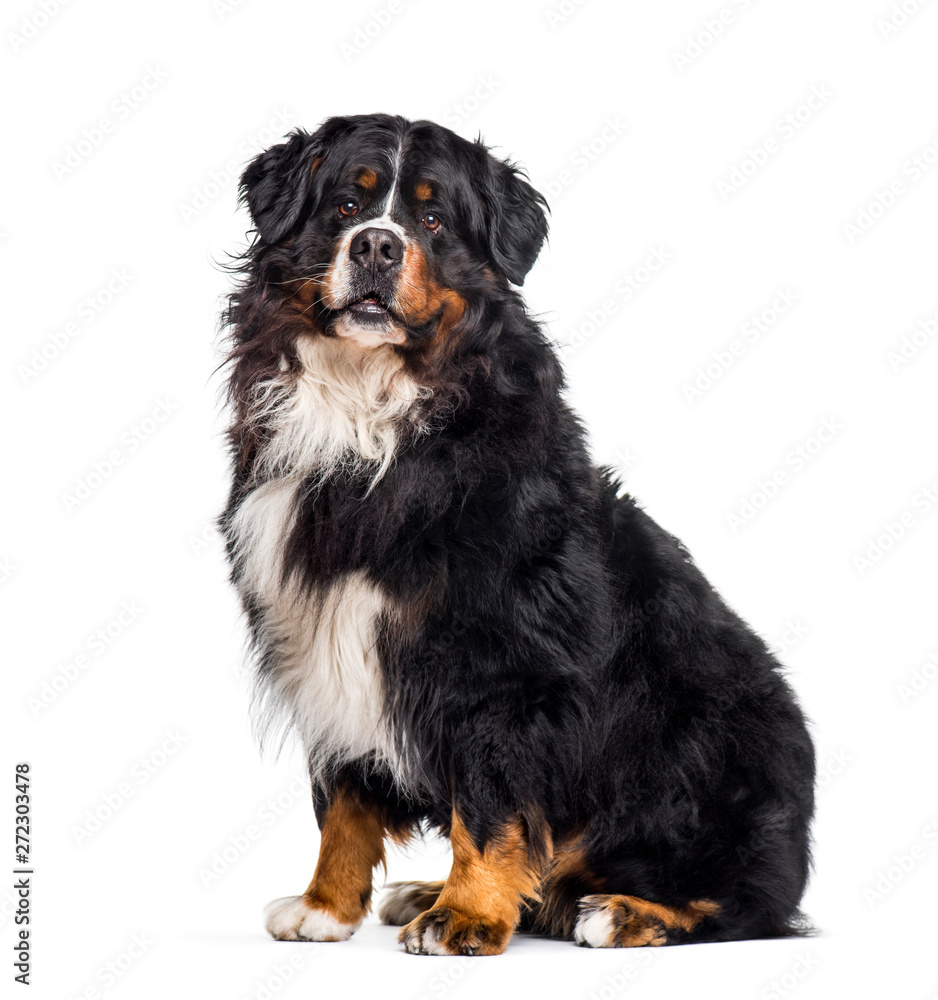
(402, 902)
(614, 921)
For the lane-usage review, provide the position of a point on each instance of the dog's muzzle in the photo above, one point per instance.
(377, 251)
(377, 255)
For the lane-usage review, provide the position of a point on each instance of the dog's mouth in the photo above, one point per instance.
(370, 320)
(370, 307)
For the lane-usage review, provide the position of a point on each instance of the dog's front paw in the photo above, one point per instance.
(297, 918)
(448, 931)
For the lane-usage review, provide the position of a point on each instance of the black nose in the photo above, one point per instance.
(376, 250)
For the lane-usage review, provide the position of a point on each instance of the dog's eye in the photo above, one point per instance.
(432, 222)
(348, 208)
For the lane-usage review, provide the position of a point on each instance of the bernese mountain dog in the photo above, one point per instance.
(470, 627)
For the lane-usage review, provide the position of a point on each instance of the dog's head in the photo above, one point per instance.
(384, 230)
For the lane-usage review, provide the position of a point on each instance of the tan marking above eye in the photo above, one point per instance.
(368, 179)
(423, 191)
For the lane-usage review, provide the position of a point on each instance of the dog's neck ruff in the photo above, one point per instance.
(343, 409)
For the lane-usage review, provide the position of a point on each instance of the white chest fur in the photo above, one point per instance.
(346, 407)
(343, 409)
(323, 678)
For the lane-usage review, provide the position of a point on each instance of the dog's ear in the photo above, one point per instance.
(275, 185)
(515, 218)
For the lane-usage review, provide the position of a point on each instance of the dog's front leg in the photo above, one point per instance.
(338, 897)
(479, 907)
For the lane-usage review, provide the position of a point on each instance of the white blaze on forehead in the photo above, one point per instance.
(383, 221)
(336, 287)
(395, 176)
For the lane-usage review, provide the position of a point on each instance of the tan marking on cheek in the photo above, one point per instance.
(304, 292)
(423, 191)
(368, 179)
(419, 298)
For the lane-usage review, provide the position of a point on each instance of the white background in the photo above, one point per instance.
(109, 238)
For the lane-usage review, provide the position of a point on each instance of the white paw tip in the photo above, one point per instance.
(291, 918)
(427, 942)
(594, 928)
